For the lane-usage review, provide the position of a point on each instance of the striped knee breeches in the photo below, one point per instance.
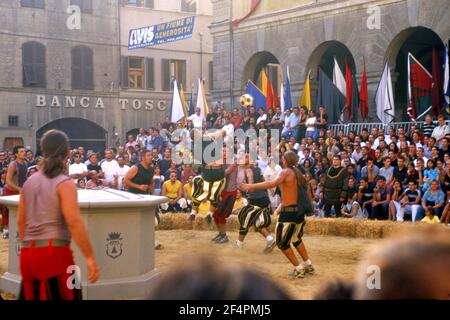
(205, 190)
(251, 215)
(286, 232)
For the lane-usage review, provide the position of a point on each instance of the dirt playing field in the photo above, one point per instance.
(333, 257)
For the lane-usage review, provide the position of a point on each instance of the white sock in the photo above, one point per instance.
(193, 212)
(210, 213)
(299, 267)
(307, 263)
(269, 237)
(239, 243)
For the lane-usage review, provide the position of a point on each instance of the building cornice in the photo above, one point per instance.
(297, 14)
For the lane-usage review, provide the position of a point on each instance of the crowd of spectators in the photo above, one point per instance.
(399, 175)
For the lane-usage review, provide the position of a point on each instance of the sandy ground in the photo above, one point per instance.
(333, 257)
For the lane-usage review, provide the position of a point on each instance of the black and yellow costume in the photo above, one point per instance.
(335, 187)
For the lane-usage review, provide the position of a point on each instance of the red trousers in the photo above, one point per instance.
(45, 274)
(225, 207)
(5, 212)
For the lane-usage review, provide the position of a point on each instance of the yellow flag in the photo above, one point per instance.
(264, 82)
(183, 101)
(305, 99)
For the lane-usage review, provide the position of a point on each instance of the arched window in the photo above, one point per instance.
(82, 68)
(33, 65)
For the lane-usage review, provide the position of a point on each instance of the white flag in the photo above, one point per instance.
(339, 79)
(384, 98)
(446, 78)
(201, 99)
(176, 110)
(282, 103)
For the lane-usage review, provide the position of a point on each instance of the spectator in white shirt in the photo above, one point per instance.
(416, 140)
(110, 168)
(441, 130)
(311, 125)
(420, 155)
(287, 121)
(122, 171)
(141, 138)
(262, 116)
(77, 170)
(197, 118)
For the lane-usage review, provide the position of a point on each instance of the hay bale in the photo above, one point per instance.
(354, 228)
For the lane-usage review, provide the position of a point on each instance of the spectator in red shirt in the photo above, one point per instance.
(236, 119)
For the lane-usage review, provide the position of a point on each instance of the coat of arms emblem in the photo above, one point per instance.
(17, 246)
(114, 245)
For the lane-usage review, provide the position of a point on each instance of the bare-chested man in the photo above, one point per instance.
(291, 221)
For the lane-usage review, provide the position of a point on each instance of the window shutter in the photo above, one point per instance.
(124, 76)
(150, 78)
(166, 74)
(211, 76)
(88, 69)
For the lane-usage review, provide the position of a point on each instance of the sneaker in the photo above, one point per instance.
(270, 246)
(297, 274)
(309, 269)
(191, 217)
(208, 218)
(158, 245)
(223, 239)
(216, 237)
(5, 234)
(238, 246)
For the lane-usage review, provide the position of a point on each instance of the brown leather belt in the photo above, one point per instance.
(289, 209)
(45, 243)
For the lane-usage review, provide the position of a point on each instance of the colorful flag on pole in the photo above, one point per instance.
(364, 95)
(447, 80)
(259, 99)
(191, 102)
(437, 86)
(287, 93)
(176, 108)
(348, 90)
(339, 79)
(264, 82)
(270, 95)
(282, 104)
(201, 99)
(384, 98)
(420, 83)
(305, 99)
(330, 96)
(183, 101)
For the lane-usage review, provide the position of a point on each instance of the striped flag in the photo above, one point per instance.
(384, 98)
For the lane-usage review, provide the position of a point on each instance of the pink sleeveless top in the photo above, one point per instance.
(43, 215)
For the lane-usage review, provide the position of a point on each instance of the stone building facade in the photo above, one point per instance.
(307, 34)
(62, 70)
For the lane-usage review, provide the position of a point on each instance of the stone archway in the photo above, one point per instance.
(81, 132)
(419, 41)
(258, 62)
(323, 58)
